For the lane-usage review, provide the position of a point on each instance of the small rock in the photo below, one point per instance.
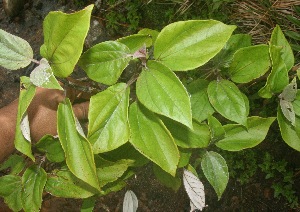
(13, 7)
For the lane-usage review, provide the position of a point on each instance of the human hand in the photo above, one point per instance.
(42, 117)
(42, 111)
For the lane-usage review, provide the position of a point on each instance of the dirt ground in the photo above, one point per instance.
(256, 196)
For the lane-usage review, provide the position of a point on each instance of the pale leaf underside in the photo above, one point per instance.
(130, 203)
(194, 188)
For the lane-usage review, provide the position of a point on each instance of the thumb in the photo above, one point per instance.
(81, 110)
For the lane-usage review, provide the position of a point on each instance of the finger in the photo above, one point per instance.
(81, 110)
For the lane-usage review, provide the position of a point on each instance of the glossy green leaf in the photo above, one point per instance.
(16, 163)
(278, 78)
(126, 151)
(192, 170)
(235, 42)
(185, 155)
(184, 137)
(65, 184)
(246, 103)
(201, 107)
(296, 103)
(105, 61)
(249, 63)
(227, 99)
(136, 41)
(289, 133)
(23, 141)
(216, 128)
(117, 185)
(278, 39)
(108, 118)
(110, 171)
(52, 148)
(64, 36)
(11, 190)
(42, 76)
(159, 89)
(33, 181)
(150, 32)
(88, 204)
(186, 45)
(215, 170)
(78, 150)
(166, 179)
(15, 52)
(150, 137)
(238, 137)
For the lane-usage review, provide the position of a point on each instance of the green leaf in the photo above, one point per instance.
(159, 89)
(278, 39)
(64, 36)
(15, 52)
(201, 107)
(278, 78)
(110, 171)
(296, 103)
(150, 32)
(292, 34)
(216, 128)
(135, 42)
(249, 63)
(235, 42)
(293, 19)
(126, 151)
(88, 204)
(216, 171)
(186, 45)
(116, 185)
(78, 151)
(108, 118)
(166, 179)
(33, 181)
(295, 47)
(52, 147)
(11, 190)
(185, 155)
(65, 184)
(23, 142)
(150, 137)
(228, 100)
(289, 133)
(192, 170)
(105, 61)
(16, 163)
(42, 76)
(184, 137)
(238, 137)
